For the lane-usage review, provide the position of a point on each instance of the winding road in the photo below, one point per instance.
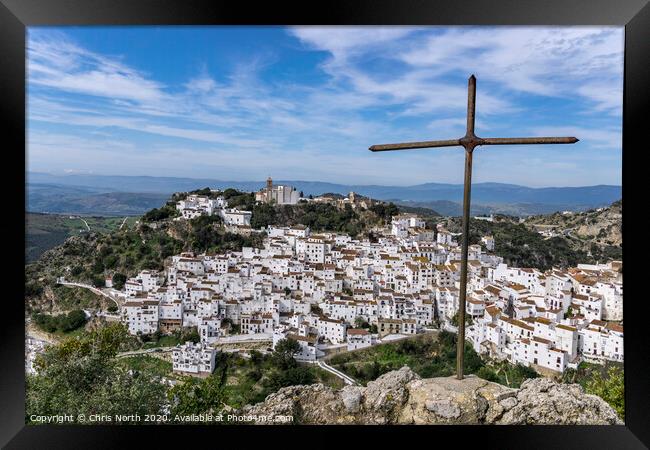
(91, 288)
(346, 379)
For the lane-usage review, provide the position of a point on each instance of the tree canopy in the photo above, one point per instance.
(80, 376)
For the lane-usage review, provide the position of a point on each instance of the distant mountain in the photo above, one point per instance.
(486, 197)
(449, 208)
(85, 201)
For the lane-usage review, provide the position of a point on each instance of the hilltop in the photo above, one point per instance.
(92, 256)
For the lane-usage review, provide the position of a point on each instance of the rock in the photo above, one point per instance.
(508, 403)
(402, 397)
(387, 394)
(543, 401)
(443, 408)
(351, 396)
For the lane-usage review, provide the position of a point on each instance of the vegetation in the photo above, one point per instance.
(605, 381)
(503, 372)
(588, 237)
(82, 376)
(63, 322)
(45, 231)
(427, 355)
(167, 211)
(206, 235)
(386, 211)
(170, 340)
(72, 297)
(238, 381)
(119, 279)
(522, 247)
(316, 216)
(148, 364)
(199, 396)
(468, 319)
(610, 388)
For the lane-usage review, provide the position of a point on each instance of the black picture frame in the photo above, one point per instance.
(15, 15)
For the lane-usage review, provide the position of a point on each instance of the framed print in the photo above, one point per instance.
(365, 217)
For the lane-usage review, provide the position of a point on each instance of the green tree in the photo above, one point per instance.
(285, 350)
(197, 396)
(192, 335)
(468, 319)
(80, 376)
(360, 322)
(73, 320)
(487, 374)
(610, 388)
(119, 279)
(99, 281)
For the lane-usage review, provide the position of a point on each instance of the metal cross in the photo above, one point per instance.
(469, 142)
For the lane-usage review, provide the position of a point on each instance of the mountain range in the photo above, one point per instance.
(131, 195)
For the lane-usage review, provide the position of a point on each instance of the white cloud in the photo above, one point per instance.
(60, 64)
(596, 138)
(382, 84)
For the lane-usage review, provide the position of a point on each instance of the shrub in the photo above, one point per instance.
(119, 279)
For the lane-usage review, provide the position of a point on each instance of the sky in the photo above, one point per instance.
(305, 103)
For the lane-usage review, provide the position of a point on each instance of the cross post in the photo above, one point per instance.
(469, 142)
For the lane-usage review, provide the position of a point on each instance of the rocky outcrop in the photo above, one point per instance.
(402, 397)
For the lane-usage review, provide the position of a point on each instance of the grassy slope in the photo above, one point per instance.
(45, 231)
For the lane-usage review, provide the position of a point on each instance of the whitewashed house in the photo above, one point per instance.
(194, 359)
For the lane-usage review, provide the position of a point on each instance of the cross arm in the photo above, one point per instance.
(414, 145)
(529, 140)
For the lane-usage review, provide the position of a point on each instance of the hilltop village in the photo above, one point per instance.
(329, 291)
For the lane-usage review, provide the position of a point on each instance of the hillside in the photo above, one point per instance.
(451, 208)
(91, 257)
(45, 231)
(600, 226)
(590, 237)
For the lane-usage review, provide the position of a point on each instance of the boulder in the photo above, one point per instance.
(402, 397)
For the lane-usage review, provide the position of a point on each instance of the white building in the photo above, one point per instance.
(488, 241)
(601, 341)
(236, 217)
(141, 315)
(278, 194)
(194, 359)
(358, 338)
(402, 223)
(332, 330)
(197, 205)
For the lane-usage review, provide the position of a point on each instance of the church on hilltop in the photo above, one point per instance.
(280, 194)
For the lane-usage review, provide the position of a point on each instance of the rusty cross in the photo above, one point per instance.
(469, 142)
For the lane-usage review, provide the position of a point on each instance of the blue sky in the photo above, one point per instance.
(305, 103)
